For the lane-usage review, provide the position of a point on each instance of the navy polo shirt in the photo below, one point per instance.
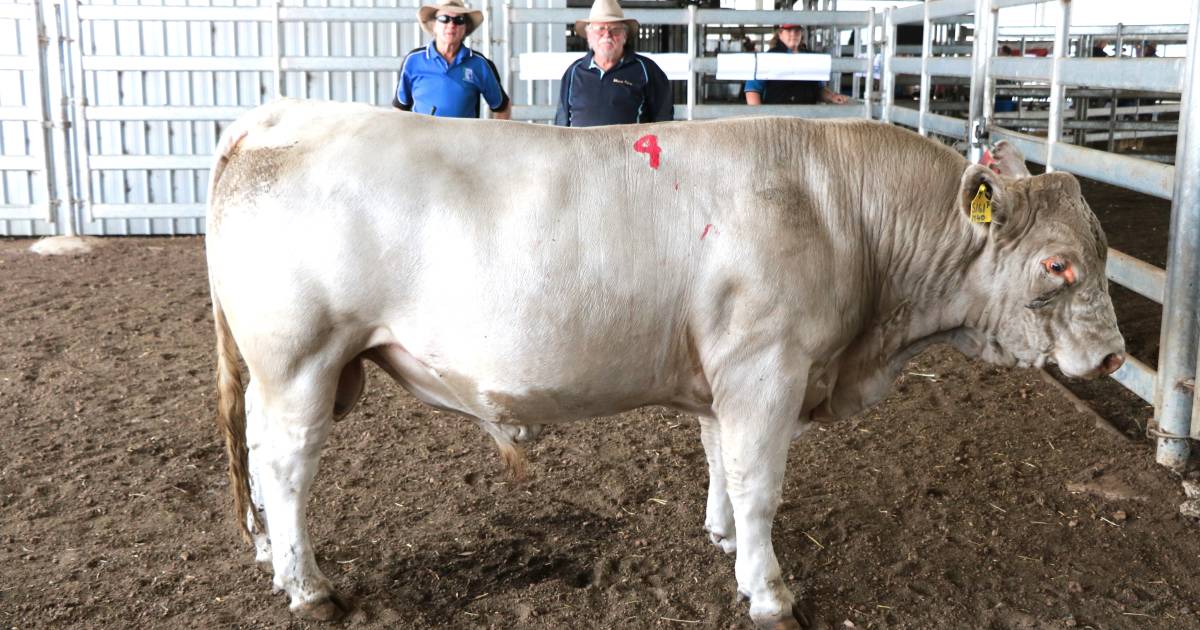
(636, 90)
(429, 85)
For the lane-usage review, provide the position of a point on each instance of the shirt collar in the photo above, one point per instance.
(591, 59)
(431, 52)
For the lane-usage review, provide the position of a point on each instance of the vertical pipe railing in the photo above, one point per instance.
(43, 138)
(529, 47)
(991, 45)
(926, 53)
(691, 49)
(1112, 101)
(80, 144)
(975, 124)
(888, 98)
(506, 47)
(1061, 51)
(486, 7)
(869, 84)
(277, 44)
(1177, 348)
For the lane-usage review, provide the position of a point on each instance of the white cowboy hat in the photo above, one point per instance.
(428, 12)
(605, 11)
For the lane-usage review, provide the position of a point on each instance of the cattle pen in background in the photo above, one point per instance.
(108, 112)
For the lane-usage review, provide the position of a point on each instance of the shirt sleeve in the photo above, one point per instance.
(662, 106)
(491, 89)
(562, 117)
(403, 98)
(754, 85)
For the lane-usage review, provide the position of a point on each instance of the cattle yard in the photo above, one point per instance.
(973, 497)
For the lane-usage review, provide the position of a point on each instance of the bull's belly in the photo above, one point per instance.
(557, 391)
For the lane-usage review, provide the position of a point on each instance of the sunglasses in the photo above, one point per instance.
(611, 30)
(456, 19)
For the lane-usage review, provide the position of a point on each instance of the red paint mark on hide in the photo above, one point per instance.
(709, 228)
(648, 144)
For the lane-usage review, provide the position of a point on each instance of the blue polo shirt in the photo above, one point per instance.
(636, 90)
(429, 85)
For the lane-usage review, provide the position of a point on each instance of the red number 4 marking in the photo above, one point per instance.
(649, 145)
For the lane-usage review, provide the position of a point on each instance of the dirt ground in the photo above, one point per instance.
(974, 497)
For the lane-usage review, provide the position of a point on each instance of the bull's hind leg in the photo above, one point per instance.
(757, 409)
(718, 512)
(286, 440)
(254, 426)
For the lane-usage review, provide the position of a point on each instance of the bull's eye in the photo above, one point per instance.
(1060, 267)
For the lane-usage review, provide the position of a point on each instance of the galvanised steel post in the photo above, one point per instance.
(691, 80)
(976, 131)
(277, 31)
(488, 23)
(1177, 347)
(1062, 50)
(926, 52)
(59, 200)
(1112, 101)
(63, 156)
(869, 84)
(506, 46)
(888, 97)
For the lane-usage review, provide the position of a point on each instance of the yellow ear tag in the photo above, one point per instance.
(981, 206)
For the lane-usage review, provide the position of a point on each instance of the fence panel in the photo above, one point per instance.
(25, 168)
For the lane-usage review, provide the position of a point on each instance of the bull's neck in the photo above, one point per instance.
(923, 262)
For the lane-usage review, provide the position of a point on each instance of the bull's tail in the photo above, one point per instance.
(226, 145)
(514, 460)
(231, 420)
(511, 454)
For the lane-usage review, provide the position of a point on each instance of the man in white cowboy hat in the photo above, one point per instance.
(612, 85)
(444, 77)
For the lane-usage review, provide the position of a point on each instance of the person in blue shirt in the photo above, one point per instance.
(445, 78)
(612, 85)
(789, 38)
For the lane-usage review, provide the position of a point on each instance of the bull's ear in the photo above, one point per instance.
(1008, 160)
(981, 197)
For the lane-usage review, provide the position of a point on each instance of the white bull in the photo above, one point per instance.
(759, 273)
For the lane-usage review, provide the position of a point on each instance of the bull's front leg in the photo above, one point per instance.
(718, 512)
(757, 410)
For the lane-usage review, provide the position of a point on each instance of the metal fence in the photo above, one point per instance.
(108, 112)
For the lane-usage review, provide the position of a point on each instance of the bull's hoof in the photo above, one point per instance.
(329, 608)
(798, 619)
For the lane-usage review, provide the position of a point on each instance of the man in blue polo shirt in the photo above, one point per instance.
(612, 85)
(445, 78)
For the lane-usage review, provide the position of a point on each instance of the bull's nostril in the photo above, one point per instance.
(1112, 363)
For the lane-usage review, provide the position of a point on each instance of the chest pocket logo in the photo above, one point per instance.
(628, 84)
(468, 75)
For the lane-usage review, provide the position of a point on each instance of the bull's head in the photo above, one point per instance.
(1042, 270)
